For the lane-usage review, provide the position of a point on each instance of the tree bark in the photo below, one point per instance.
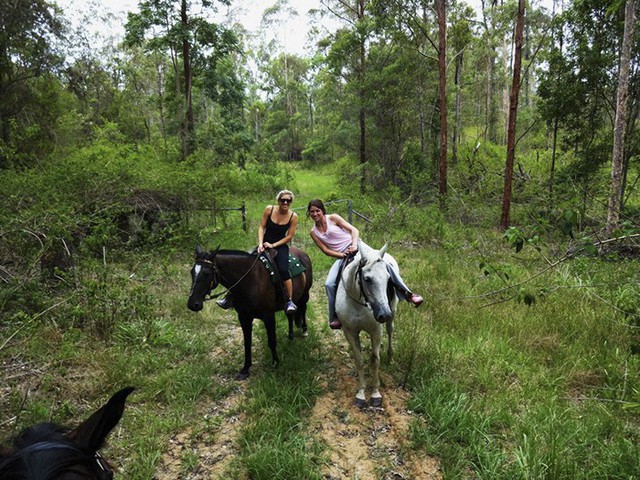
(613, 211)
(458, 109)
(361, 93)
(513, 114)
(186, 62)
(442, 68)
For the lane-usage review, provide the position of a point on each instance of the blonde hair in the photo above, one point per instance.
(285, 192)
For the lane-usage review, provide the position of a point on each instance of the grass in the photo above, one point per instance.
(501, 389)
(510, 391)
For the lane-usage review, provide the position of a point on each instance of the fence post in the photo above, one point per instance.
(350, 211)
(244, 217)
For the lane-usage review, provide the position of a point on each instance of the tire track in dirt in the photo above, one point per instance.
(372, 443)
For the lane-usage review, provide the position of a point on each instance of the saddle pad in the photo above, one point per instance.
(295, 267)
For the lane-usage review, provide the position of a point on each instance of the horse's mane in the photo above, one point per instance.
(237, 253)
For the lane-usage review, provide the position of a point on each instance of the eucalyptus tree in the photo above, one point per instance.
(28, 53)
(442, 73)
(579, 92)
(496, 27)
(513, 115)
(171, 27)
(460, 36)
(347, 58)
(287, 97)
(284, 83)
(619, 128)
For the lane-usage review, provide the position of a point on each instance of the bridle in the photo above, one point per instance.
(363, 292)
(214, 278)
(104, 470)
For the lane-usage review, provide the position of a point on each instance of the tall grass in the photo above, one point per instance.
(507, 390)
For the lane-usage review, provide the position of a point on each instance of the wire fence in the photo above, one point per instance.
(215, 214)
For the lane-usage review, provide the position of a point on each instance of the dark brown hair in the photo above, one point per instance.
(318, 204)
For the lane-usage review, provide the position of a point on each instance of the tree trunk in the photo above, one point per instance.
(442, 68)
(613, 213)
(513, 114)
(552, 170)
(361, 94)
(186, 62)
(458, 109)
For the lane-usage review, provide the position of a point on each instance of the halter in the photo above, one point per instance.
(104, 470)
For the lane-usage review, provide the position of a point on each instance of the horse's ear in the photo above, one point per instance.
(91, 433)
(217, 249)
(198, 251)
(383, 250)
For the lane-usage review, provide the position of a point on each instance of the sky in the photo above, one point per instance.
(292, 34)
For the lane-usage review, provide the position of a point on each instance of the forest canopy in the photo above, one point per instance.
(411, 99)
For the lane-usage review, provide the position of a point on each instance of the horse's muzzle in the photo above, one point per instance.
(194, 305)
(383, 315)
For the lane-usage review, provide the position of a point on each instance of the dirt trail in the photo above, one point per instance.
(366, 444)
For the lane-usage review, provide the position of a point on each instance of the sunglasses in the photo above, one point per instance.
(285, 200)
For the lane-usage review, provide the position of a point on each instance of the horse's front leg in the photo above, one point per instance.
(302, 312)
(356, 350)
(376, 343)
(389, 338)
(300, 319)
(270, 325)
(290, 318)
(246, 322)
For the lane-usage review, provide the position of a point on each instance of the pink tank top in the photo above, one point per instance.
(336, 238)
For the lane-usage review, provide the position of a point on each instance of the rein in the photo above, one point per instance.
(346, 261)
(216, 272)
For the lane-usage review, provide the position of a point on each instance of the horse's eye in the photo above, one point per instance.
(368, 279)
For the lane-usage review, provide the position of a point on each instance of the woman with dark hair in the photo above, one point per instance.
(338, 238)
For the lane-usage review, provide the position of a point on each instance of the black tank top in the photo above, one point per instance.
(275, 232)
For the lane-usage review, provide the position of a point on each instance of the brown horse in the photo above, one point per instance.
(255, 295)
(49, 452)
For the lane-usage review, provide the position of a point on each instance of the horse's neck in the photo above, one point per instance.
(233, 267)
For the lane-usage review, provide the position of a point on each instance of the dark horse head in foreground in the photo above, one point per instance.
(50, 452)
(254, 293)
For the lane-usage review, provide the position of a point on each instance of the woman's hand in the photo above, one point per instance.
(264, 246)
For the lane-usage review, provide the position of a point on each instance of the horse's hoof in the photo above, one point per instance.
(305, 333)
(360, 403)
(242, 375)
(376, 402)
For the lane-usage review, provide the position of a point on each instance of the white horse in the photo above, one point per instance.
(366, 301)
